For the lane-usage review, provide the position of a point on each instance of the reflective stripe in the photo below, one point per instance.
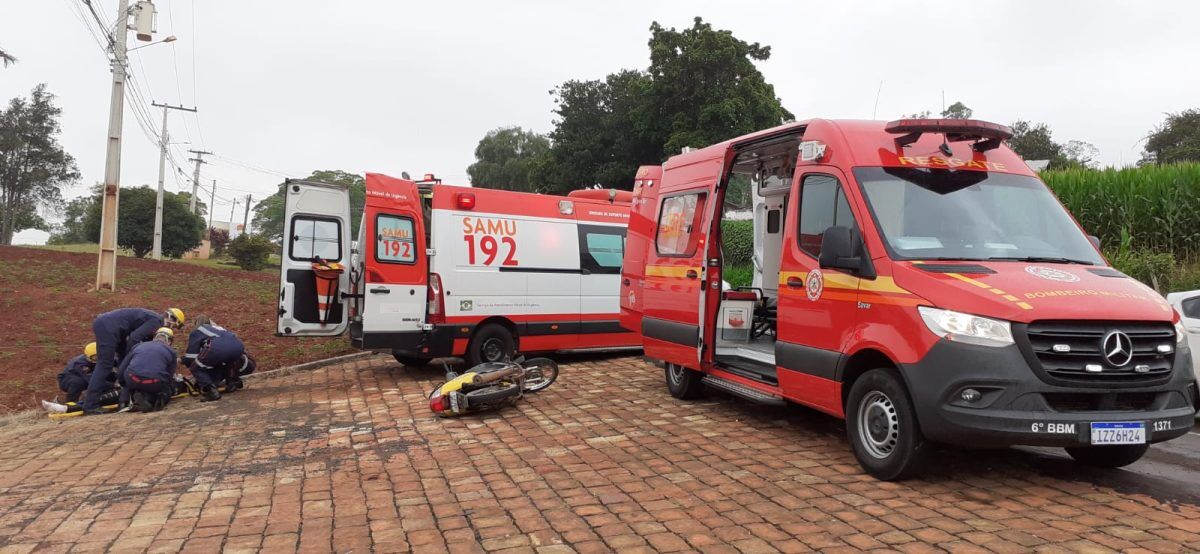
(207, 331)
(191, 355)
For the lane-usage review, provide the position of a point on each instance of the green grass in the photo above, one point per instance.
(740, 275)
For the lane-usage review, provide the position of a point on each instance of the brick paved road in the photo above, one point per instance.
(349, 459)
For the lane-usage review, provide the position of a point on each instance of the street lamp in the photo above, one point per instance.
(168, 39)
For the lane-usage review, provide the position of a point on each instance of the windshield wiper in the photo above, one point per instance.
(1041, 259)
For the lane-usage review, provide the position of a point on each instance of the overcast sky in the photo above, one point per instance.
(288, 86)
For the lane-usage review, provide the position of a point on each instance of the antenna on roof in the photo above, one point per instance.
(877, 93)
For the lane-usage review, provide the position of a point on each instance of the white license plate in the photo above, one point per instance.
(1114, 432)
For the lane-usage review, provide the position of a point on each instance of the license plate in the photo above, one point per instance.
(1114, 432)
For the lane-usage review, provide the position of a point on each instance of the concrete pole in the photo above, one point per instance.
(106, 267)
(246, 218)
(162, 166)
(199, 159)
(162, 170)
(212, 203)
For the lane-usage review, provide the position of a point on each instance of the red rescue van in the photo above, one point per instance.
(441, 270)
(914, 278)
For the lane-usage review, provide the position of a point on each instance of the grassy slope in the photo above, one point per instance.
(46, 311)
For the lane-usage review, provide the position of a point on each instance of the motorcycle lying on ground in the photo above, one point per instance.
(491, 385)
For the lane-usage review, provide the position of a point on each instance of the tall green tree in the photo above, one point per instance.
(73, 229)
(1033, 141)
(1176, 140)
(34, 168)
(510, 158)
(181, 232)
(268, 219)
(702, 87)
(957, 110)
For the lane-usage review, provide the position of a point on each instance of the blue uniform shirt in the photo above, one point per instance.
(134, 325)
(224, 347)
(150, 360)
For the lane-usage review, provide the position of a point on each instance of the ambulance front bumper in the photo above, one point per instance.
(1012, 406)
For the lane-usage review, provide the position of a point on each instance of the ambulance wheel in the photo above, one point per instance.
(491, 343)
(683, 383)
(882, 427)
(410, 361)
(1108, 456)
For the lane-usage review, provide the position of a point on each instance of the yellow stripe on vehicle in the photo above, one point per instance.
(850, 282)
(669, 270)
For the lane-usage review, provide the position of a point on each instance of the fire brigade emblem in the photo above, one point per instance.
(1051, 273)
(814, 284)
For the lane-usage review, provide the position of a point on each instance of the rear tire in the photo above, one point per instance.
(683, 383)
(541, 374)
(1113, 456)
(410, 361)
(491, 343)
(882, 427)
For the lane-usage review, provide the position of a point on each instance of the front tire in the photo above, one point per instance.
(491, 343)
(683, 383)
(882, 427)
(1108, 456)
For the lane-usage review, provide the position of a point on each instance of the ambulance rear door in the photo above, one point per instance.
(316, 228)
(396, 263)
(638, 240)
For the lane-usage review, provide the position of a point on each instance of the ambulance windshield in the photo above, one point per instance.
(945, 214)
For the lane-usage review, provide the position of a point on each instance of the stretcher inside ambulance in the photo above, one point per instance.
(915, 278)
(441, 270)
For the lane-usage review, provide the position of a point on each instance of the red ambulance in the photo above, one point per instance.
(441, 270)
(914, 278)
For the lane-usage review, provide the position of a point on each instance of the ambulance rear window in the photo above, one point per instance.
(394, 239)
(314, 238)
(677, 225)
(601, 248)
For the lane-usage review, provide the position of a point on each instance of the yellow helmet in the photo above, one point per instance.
(165, 331)
(90, 351)
(175, 317)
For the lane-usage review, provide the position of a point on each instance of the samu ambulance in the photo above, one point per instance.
(914, 278)
(441, 270)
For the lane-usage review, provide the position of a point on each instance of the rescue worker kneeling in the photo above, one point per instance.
(75, 377)
(147, 374)
(216, 357)
(117, 332)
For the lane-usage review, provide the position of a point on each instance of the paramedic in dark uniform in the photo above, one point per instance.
(117, 332)
(147, 373)
(215, 355)
(74, 378)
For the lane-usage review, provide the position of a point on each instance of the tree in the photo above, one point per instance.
(251, 251)
(1080, 153)
(1032, 142)
(181, 230)
(6, 59)
(73, 229)
(268, 212)
(218, 239)
(1176, 140)
(33, 165)
(701, 87)
(510, 158)
(957, 110)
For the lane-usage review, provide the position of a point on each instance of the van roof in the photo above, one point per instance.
(858, 143)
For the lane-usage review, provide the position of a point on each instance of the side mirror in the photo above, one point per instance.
(1095, 240)
(842, 248)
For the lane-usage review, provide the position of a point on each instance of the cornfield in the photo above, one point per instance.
(1156, 208)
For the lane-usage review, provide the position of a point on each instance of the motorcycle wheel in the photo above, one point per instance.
(540, 373)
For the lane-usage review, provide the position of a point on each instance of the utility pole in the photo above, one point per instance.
(232, 211)
(164, 139)
(106, 268)
(246, 218)
(212, 203)
(199, 159)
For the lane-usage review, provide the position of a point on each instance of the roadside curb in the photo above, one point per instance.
(35, 414)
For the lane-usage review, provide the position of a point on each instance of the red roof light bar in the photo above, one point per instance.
(986, 134)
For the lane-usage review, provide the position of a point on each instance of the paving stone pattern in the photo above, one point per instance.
(349, 459)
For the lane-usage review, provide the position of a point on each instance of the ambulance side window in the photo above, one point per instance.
(314, 237)
(822, 205)
(601, 249)
(394, 239)
(678, 225)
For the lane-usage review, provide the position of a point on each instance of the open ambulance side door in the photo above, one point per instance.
(316, 228)
(638, 240)
(396, 264)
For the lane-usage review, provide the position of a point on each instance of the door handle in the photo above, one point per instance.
(795, 282)
(692, 274)
(381, 290)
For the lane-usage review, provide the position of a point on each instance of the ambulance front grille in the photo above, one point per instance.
(1072, 351)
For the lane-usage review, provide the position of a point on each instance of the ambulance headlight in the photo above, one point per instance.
(966, 328)
(1180, 332)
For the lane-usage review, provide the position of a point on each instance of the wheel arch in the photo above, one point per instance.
(855, 365)
(503, 322)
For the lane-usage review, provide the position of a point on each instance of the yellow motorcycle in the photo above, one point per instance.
(491, 385)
